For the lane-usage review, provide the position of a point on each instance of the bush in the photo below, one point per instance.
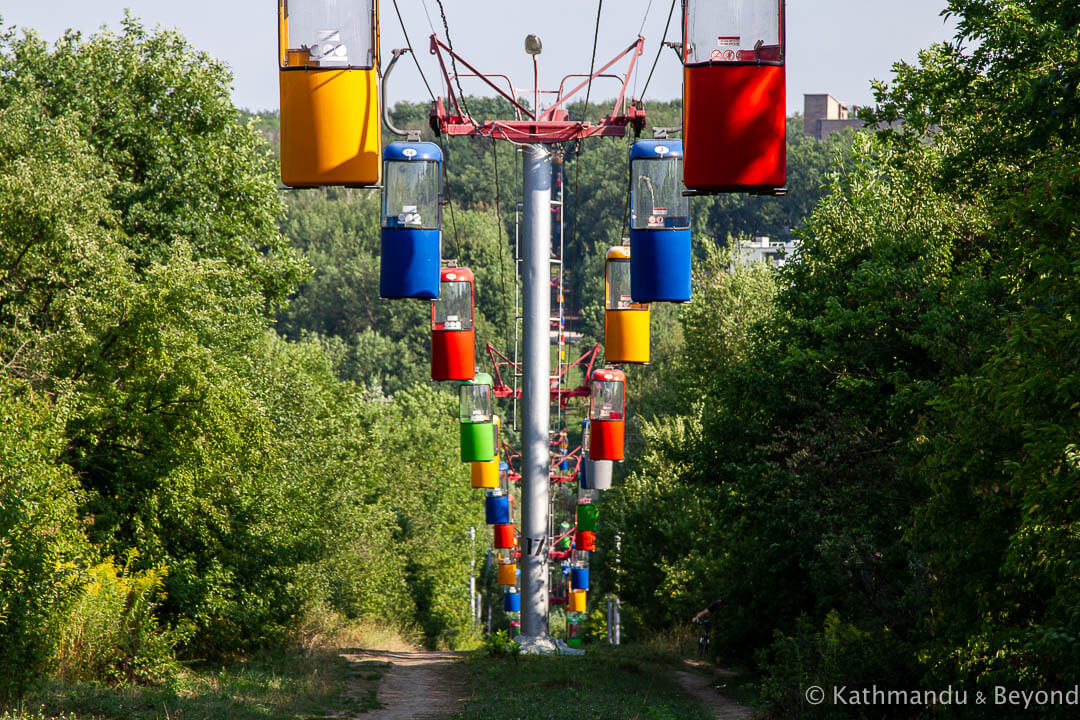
(499, 644)
(595, 628)
(840, 654)
(40, 541)
(110, 633)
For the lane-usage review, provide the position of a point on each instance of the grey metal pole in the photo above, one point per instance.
(536, 390)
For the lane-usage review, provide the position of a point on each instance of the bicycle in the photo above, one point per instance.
(704, 638)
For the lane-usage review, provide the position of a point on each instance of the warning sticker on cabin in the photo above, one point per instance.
(728, 41)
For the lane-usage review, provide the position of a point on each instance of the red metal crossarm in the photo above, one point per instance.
(554, 124)
(499, 362)
(570, 474)
(587, 360)
(513, 462)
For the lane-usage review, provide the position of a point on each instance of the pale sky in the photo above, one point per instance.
(834, 46)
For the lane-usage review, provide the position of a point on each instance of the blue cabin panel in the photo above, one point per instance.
(409, 264)
(660, 266)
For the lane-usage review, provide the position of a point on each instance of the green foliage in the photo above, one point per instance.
(594, 629)
(40, 540)
(151, 406)
(888, 452)
(499, 644)
(838, 655)
(110, 633)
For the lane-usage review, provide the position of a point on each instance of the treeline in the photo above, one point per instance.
(871, 455)
(177, 478)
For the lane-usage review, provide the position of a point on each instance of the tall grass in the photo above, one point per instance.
(109, 633)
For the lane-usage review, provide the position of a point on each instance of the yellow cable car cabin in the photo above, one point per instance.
(328, 57)
(626, 323)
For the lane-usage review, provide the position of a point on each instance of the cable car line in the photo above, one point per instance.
(450, 195)
(423, 3)
(645, 19)
(453, 61)
(408, 43)
(659, 50)
(637, 68)
(592, 62)
(499, 227)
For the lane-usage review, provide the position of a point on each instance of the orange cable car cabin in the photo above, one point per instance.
(734, 96)
(607, 418)
(328, 64)
(626, 323)
(453, 353)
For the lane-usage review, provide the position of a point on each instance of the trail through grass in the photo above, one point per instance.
(626, 683)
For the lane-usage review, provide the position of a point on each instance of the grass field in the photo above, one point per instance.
(626, 683)
(269, 686)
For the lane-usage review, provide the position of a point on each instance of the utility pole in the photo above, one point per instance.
(536, 392)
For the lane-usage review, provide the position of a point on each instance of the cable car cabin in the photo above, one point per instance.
(734, 95)
(497, 508)
(453, 353)
(507, 572)
(659, 223)
(585, 541)
(503, 537)
(328, 62)
(595, 474)
(411, 221)
(626, 323)
(588, 517)
(488, 474)
(477, 420)
(606, 415)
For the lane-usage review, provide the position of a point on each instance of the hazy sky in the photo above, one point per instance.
(834, 46)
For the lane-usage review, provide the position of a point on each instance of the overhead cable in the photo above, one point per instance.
(453, 62)
(411, 51)
(659, 50)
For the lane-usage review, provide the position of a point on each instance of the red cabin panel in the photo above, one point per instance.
(452, 355)
(504, 537)
(585, 541)
(606, 440)
(734, 127)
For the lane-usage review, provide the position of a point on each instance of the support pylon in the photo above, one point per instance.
(536, 391)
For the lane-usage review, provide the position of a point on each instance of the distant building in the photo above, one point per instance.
(762, 248)
(824, 115)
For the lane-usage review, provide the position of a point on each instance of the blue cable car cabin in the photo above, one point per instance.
(659, 223)
(411, 220)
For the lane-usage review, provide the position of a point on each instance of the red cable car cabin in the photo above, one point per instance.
(734, 96)
(453, 354)
(607, 415)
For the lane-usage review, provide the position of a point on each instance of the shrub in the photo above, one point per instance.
(41, 543)
(110, 632)
(499, 644)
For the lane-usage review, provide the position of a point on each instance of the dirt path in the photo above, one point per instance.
(417, 685)
(700, 680)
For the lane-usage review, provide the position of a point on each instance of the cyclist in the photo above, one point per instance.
(704, 618)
